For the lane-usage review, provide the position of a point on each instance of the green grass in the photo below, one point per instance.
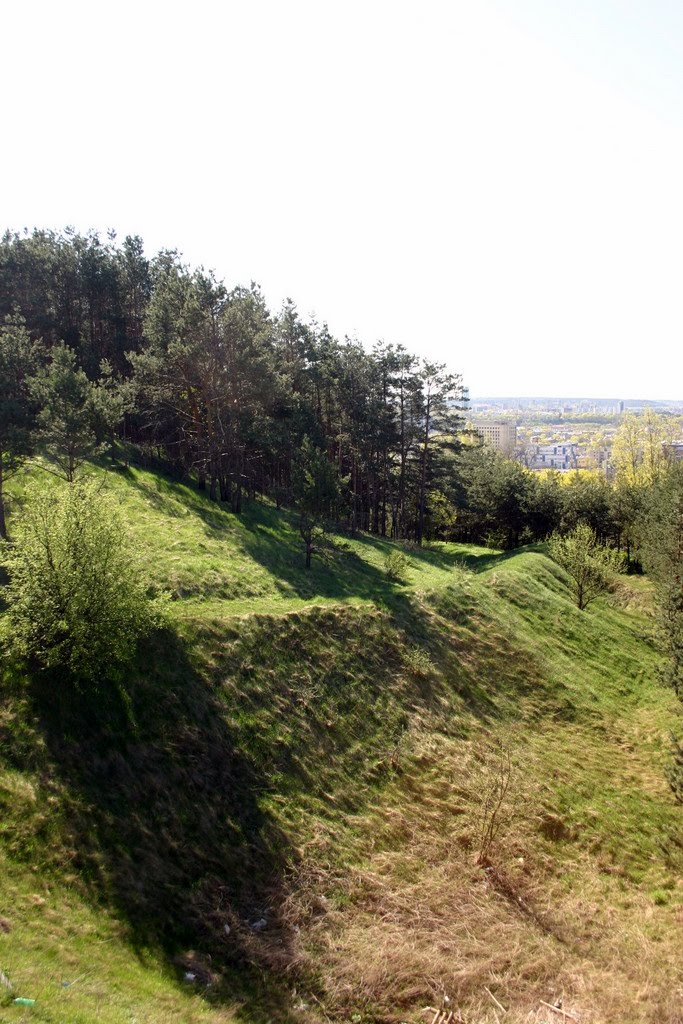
(74, 959)
(293, 738)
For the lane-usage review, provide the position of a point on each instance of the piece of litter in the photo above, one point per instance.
(22, 1001)
(259, 925)
(70, 984)
(190, 976)
(226, 929)
(5, 982)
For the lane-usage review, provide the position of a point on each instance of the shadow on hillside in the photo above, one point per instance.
(483, 560)
(166, 820)
(340, 571)
(173, 498)
(271, 539)
(336, 572)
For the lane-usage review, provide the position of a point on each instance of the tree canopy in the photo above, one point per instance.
(221, 388)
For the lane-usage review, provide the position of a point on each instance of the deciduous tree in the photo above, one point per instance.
(77, 598)
(589, 565)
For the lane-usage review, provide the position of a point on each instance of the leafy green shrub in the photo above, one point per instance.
(77, 598)
(396, 566)
(496, 540)
(589, 565)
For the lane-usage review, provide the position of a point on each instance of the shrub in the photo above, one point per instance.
(396, 566)
(496, 808)
(496, 540)
(77, 598)
(418, 662)
(589, 565)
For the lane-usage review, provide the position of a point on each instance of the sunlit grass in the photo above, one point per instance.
(356, 707)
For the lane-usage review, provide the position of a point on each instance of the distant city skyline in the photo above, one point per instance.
(493, 185)
(606, 399)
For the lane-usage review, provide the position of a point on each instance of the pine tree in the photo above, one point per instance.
(18, 362)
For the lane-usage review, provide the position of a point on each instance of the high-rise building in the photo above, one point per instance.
(499, 435)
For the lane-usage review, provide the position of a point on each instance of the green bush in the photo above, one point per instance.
(591, 566)
(396, 566)
(77, 598)
(418, 662)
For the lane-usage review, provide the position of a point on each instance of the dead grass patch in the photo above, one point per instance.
(415, 919)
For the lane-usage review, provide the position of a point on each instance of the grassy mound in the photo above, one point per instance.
(292, 815)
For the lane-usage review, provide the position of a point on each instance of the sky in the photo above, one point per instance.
(495, 184)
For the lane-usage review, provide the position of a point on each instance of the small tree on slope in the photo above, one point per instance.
(18, 362)
(77, 601)
(589, 565)
(76, 414)
(315, 493)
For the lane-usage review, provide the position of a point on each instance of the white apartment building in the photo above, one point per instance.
(554, 456)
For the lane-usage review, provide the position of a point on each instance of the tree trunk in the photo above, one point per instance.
(423, 477)
(3, 526)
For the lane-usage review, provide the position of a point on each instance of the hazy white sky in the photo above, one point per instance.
(498, 185)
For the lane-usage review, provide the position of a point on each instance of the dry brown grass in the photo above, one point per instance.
(416, 919)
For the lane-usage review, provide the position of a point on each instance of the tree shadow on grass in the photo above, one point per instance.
(270, 538)
(165, 815)
(167, 801)
(481, 560)
(279, 550)
(336, 573)
(340, 570)
(174, 498)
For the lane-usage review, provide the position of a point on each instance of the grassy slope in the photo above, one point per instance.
(313, 750)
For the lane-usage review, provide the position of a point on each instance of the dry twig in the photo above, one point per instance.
(499, 1005)
(558, 1009)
